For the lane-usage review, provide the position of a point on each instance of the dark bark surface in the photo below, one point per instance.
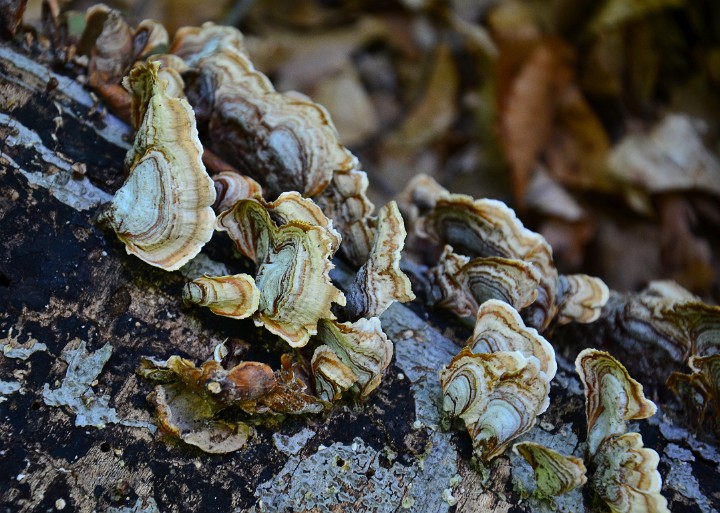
(63, 280)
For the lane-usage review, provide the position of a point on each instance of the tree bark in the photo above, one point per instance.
(68, 284)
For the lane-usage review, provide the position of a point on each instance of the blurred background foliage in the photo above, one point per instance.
(598, 120)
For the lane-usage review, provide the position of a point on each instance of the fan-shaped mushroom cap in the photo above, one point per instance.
(612, 397)
(286, 141)
(555, 473)
(291, 206)
(293, 265)
(581, 298)
(193, 44)
(448, 284)
(463, 284)
(498, 395)
(667, 315)
(380, 281)
(345, 201)
(332, 377)
(626, 476)
(362, 351)
(162, 212)
(233, 296)
(488, 228)
(108, 42)
(231, 187)
(499, 327)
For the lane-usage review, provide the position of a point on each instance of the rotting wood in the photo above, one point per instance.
(63, 279)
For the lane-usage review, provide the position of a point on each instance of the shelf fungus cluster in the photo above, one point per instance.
(488, 254)
(500, 382)
(284, 190)
(623, 473)
(188, 399)
(673, 328)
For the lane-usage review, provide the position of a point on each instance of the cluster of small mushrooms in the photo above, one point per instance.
(291, 197)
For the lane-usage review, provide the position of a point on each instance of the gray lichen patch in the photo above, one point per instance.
(11, 348)
(140, 506)
(201, 265)
(292, 445)
(680, 478)
(76, 391)
(80, 194)
(7, 388)
(337, 478)
(420, 353)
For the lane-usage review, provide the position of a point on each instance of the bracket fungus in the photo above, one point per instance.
(555, 473)
(498, 395)
(700, 390)
(360, 354)
(293, 265)
(461, 284)
(612, 397)
(163, 210)
(493, 256)
(499, 327)
(380, 281)
(234, 296)
(626, 476)
(625, 473)
(286, 141)
(231, 187)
